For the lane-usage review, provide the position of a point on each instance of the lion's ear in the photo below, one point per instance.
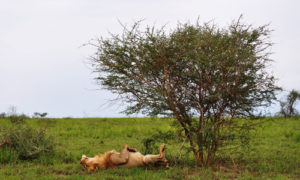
(83, 156)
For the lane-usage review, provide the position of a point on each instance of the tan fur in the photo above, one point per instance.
(126, 159)
(102, 161)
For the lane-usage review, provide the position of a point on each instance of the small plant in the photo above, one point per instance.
(288, 134)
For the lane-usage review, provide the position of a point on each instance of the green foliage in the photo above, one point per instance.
(26, 142)
(150, 67)
(29, 143)
(7, 155)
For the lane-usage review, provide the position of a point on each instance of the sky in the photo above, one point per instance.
(44, 66)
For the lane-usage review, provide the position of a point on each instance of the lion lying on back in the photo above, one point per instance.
(127, 158)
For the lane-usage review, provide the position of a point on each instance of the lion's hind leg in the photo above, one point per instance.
(151, 159)
(157, 160)
(162, 155)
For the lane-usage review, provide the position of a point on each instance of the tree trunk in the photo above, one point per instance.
(208, 159)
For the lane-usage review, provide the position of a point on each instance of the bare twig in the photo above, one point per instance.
(179, 150)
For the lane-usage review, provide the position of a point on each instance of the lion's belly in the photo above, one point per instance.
(135, 159)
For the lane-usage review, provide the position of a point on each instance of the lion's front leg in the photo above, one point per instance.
(122, 157)
(131, 149)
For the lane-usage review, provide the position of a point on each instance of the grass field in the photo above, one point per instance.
(274, 154)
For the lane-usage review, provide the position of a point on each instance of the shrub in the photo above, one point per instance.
(29, 143)
(14, 118)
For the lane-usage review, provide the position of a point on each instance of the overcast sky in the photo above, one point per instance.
(43, 66)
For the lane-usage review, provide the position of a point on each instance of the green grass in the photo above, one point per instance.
(274, 154)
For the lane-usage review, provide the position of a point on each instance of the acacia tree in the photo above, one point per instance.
(287, 107)
(202, 75)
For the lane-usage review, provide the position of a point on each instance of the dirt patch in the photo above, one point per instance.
(61, 172)
(67, 173)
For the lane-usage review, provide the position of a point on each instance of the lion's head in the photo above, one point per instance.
(83, 160)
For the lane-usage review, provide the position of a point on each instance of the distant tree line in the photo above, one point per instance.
(12, 112)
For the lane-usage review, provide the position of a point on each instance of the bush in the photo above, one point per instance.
(29, 143)
(18, 119)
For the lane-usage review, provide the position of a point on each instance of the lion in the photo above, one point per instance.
(127, 158)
